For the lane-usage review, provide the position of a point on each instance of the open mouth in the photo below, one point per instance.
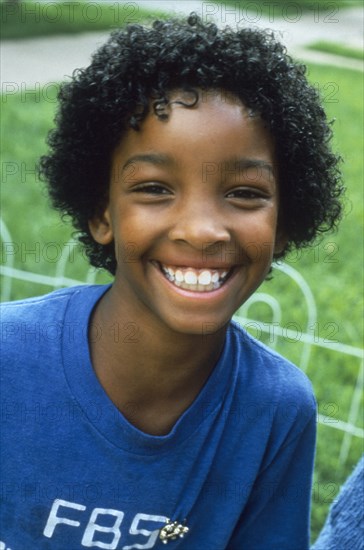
(197, 280)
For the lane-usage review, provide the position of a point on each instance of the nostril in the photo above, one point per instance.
(202, 233)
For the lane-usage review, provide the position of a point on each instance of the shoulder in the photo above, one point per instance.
(33, 307)
(271, 379)
(267, 362)
(20, 307)
(33, 319)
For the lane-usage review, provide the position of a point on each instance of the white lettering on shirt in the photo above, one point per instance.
(90, 538)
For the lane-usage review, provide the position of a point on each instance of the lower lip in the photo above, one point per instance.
(195, 294)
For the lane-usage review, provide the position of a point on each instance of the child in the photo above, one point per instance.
(138, 414)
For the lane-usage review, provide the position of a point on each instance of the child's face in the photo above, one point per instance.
(193, 203)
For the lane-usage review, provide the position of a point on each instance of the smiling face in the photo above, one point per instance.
(192, 210)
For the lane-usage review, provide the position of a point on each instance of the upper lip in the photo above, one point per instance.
(195, 264)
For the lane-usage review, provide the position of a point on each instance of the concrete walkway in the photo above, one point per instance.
(37, 61)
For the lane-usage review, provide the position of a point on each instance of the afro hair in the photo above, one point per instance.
(136, 70)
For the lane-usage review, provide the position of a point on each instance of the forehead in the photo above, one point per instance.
(216, 127)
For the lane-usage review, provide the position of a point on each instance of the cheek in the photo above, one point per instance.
(259, 254)
(127, 223)
(133, 237)
(257, 237)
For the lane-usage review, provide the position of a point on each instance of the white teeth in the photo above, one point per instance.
(215, 277)
(205, 277)
(190, 278)
(195, 279)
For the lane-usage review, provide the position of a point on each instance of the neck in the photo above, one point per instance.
(152, 374)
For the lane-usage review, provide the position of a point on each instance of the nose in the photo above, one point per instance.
(200, 225)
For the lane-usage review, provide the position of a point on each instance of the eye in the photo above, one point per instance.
(246, 193)
(152, 189)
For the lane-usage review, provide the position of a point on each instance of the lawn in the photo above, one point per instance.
(38, 240)
(33, 19)
(336, 49)
(250, 11)
(333, 271)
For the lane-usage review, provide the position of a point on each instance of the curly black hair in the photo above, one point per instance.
(134, 72)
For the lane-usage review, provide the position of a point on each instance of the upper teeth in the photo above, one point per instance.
(191, 276)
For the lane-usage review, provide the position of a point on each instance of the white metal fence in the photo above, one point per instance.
(308, 339)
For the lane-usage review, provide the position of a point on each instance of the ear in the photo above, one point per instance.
(101, 228)
(280, 241)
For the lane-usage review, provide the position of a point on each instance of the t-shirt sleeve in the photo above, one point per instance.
(277, 517)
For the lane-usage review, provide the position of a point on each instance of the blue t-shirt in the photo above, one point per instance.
(236, 467)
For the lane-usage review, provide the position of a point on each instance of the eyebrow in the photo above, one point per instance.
(244, 163)
(161, 159)
(158, 159)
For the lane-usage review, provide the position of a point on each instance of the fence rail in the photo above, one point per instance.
(308, 339)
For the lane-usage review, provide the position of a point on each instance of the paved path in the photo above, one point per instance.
(42, 60)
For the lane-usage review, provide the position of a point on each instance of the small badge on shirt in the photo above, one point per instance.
(172, 531)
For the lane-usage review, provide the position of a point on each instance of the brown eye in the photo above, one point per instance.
(245, 194)
(152, 189)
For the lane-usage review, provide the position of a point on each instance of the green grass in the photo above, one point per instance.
(33, 19)
(322, 10)
(332, 268)
(336, 49)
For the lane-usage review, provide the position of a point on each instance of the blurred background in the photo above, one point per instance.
(311, 311)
